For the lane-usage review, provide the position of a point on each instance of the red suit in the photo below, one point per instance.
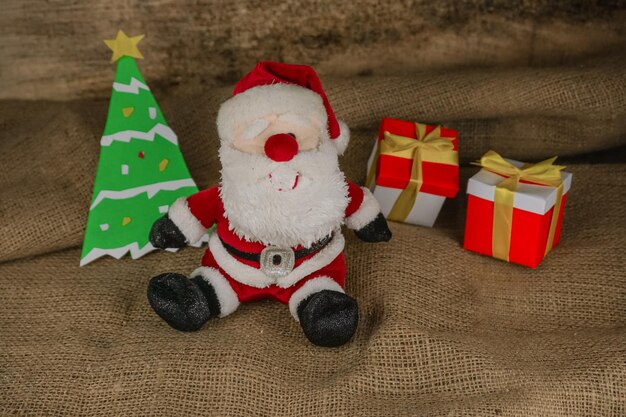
(232, 265)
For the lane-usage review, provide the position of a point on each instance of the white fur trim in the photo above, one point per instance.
(229, 302)
(257, 102)
(317, 262)
(311, 287)
(367, 212)
(182, 217)
(238, 271)
(256, 278)
(341, 142)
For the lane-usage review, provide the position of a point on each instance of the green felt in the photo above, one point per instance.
(140, 119)
(126, 70)
(140, 209)
(142, 170)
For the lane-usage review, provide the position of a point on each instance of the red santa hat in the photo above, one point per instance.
(274, 87)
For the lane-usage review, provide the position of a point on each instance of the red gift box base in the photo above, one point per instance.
(529, 233)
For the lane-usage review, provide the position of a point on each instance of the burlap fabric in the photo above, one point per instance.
(443, 332)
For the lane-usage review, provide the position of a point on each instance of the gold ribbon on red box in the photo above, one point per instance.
(425, 147)
(543, 173)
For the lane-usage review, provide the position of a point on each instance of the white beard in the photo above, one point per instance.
(266, 209)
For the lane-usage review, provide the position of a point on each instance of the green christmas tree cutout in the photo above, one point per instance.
(141, 170)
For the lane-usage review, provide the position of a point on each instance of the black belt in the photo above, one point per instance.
(300, 253)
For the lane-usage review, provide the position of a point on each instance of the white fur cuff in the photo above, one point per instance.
(367, 212)
(311, 287)
(182, 217)
(225, 294)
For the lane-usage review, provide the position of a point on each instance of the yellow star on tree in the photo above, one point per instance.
(122, 45)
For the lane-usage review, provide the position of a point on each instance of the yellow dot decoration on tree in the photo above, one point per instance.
(126, 220)
(127, 111)
(163, 164)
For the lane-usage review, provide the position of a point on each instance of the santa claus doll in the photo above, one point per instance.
(278, 212)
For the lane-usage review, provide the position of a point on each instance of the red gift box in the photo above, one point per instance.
(391, 170)
(530, 222)
(395, 172)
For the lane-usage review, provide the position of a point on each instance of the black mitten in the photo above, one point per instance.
(164, 234)
(375, 231)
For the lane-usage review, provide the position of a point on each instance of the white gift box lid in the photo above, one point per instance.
(528, 197)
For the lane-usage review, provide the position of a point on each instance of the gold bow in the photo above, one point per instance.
(431, 147)
(543, 173)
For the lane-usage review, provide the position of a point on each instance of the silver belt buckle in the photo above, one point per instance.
(277, 262)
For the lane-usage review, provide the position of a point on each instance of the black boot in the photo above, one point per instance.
(185, 304)
(328, 318)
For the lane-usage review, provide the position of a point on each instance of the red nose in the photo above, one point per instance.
(281, 147)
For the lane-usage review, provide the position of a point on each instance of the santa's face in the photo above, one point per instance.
(280, 137)
(281, 182)
(251, 136)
